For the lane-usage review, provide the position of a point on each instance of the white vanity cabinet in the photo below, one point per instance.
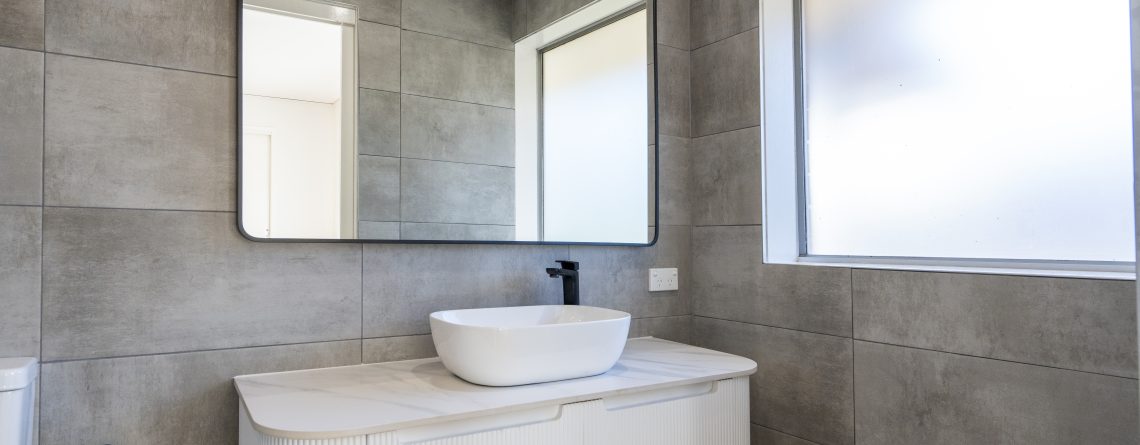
(659, 392)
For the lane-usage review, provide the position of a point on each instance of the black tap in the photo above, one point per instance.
(569, 274)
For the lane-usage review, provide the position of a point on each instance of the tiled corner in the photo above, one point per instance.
(715, 20)
(129, 136)
(726, 85)
(129, 282)
(378, 50)
(674, 98)
(726, 181)
(182, 34)
(674, 195)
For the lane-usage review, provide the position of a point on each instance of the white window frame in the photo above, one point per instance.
(784, 236)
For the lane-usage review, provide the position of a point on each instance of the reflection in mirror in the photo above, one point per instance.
(448, 120)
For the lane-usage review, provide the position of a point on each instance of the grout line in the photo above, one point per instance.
(714, 42)
(226, 76)
(192, 351)
(723, 132)
(728, 225)
(136, 209)
(43, 200)
(437, 160)
(925, 349)
(854, 433)
(509, 50)
(436, 98)
(361, 302)
(785, 433)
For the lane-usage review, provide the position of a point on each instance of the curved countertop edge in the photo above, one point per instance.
(400, 425)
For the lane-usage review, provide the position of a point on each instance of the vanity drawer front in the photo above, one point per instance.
(710, 413)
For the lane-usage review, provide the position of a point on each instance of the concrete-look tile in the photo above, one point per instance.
(618, 277)
(456, 232)
(675, 177)
(404, 283)
(22, 24)
(166, 399)
(379, 11)
(677, 328)
(726, 85)
(445, 130)
(673, 23)
(518, 19)
(803, 383)
(726, 178)
(127, 282)
(20, 229)
(1087, 325)
(22, 125)
(447, 192)
(379, 123)
(378, 178)
(541, 13)
(486, 22)
(185, 34)
(392, 349)
(378, 230)
(673, 93)
(451, 69)
(379, 53)
(768, 436)
(912, 396)
(730, 281)
(714, 20)
(122, 135)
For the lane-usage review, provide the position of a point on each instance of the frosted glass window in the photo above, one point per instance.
(595, 135)
(993, 129)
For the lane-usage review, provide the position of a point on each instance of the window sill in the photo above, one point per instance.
(1055, 269)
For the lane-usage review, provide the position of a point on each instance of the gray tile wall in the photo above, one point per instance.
(150, 299)
(437, 121)
(884, 357)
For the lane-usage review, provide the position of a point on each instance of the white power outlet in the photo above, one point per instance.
(662, 279)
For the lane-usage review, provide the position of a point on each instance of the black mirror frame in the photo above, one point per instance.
(651, 7)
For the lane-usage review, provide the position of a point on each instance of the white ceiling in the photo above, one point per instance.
(290, 57)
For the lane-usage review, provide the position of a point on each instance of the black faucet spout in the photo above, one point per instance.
(569, 274)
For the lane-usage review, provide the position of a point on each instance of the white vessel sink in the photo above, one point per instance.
(510, 346)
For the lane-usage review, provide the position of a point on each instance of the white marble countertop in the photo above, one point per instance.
(367, 399)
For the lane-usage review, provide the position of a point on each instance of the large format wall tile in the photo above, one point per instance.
(379, 123)
(731, 282)
(379, 187)
(451, 69)
(715, 20)
(726, 178)
(673, 93)
(803, 383)
(391, 349)
(185, 34)
(22, 24)
(445, 130)
(618, 277)
(448, 192)
(120, 135)
(20, 229)
(911, 396)
(378, 230)
(675, 162)
(726, 85)
(456, 232)
(676, 328)
(379, 53)
(405, 283)
(21, 125)
(768, 436)
(486, 22)
(1087, 325)
(165, 399)
(125, 282)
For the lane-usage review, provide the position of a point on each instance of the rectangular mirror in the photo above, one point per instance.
(447, 121)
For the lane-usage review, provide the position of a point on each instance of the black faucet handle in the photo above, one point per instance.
(568, 265)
